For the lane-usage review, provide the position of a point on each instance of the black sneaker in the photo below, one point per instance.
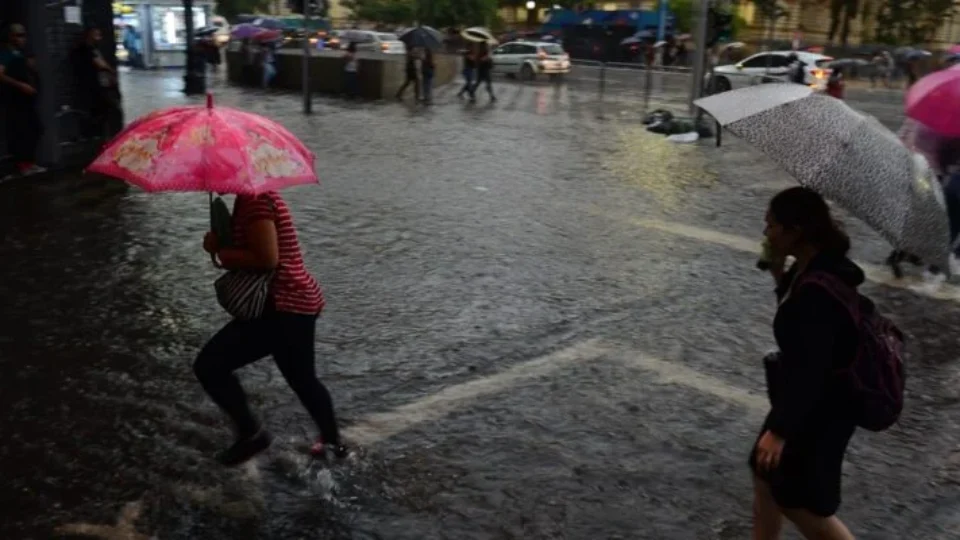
(245, 449)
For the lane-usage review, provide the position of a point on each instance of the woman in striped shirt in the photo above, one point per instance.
(264, 239)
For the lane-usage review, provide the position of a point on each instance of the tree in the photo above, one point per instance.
(684, 13)
(842, 12)
(911, 22)
(436, 13)
(392, 12)
(231, 8)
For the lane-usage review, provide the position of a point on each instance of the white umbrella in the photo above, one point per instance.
(847, 157)
(735, 45)
(478, 34)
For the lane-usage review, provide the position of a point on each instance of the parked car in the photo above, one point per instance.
(771, 66)
(527, 59)
(368, 40)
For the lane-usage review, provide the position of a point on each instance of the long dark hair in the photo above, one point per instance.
(804, 209)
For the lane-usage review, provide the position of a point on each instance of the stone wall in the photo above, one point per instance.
(379, 75)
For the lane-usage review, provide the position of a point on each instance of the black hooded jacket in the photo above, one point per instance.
(817, 337)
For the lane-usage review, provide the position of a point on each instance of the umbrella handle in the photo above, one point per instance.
(213, 256)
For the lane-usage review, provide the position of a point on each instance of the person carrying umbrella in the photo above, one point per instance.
(411, 75)
(274, 300)
(427, 68)
(484, 72)
(18, 92)
(469, 69)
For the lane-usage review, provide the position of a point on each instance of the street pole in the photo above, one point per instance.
(307, 97)
(192, 82)
(696, 85)
(661, 30)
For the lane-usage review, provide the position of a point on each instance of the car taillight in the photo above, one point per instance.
(541, 55)
(384, 47)
(821, 73)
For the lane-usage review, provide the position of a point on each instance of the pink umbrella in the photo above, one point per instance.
(210, 149)
(955, 49)
(934, 101)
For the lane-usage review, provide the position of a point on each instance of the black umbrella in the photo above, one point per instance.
(205, 31)
(422, 37)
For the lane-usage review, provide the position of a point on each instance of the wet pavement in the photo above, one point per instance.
(543, 322)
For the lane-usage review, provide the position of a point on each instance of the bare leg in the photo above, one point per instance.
(767, 520)
(814, 527)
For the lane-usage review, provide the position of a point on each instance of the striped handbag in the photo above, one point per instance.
(244, 294)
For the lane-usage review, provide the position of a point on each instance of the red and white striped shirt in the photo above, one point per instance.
(293, 290)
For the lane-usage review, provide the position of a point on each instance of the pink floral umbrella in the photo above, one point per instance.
(209, 149)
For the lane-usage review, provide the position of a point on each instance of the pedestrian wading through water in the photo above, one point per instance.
(264, 243)
(814, 385)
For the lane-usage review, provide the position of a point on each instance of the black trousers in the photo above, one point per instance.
(483, 77)
(411, 79)
(289, 338)
(23, 129)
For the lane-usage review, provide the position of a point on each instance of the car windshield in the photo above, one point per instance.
(388, 37)
(552, 49)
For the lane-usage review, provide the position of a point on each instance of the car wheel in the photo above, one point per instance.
(526, 73)
(720, 85)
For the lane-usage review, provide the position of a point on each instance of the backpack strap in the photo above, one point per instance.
(843, 293)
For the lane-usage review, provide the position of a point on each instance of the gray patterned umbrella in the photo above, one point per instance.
(847, 157)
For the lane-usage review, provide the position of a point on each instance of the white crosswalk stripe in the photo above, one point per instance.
(877, 274)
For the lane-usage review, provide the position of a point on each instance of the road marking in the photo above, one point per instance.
(378, 427)
(680, 375)
(878, 274)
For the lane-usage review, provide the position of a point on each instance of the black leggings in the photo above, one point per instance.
(288, 337)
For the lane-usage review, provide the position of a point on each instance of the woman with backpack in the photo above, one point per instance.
(798, 457)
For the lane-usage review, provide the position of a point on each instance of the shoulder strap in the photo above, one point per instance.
(845, 294)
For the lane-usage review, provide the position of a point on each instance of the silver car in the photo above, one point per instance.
(368, 40)
(527, 59)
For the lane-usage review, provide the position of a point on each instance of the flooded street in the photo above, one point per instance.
(543, 322)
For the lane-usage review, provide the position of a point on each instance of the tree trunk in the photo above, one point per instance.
(836, 10)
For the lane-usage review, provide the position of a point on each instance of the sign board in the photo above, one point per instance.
(72, 15)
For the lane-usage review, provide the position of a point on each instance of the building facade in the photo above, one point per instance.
(54, 28)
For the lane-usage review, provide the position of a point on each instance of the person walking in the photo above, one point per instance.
(796, 461)
(264, 240)
(412, 76)
(427, 69)
(469, 69)
(269, 63)
(97, 88)
(18, 94)
(484, 72)
(350, 71)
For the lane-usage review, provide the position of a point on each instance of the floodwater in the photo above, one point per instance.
(543, 322)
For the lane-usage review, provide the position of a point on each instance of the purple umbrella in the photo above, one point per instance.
(245, 31)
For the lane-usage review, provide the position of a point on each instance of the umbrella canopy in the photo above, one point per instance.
(423, 37)
(954, 49)
(270, 24)
(245, 31)
(916, 54)
(952, 57)
(934, 101)
(206, 149)
(478, 34)
(269, 35)
(205, 31)
(633, 40)
(846, 157)
(735, 45)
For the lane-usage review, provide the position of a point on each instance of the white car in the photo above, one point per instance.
(771, 66)
(368, 40)
(527, 59)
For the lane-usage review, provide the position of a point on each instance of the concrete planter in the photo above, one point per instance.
(379, 75)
